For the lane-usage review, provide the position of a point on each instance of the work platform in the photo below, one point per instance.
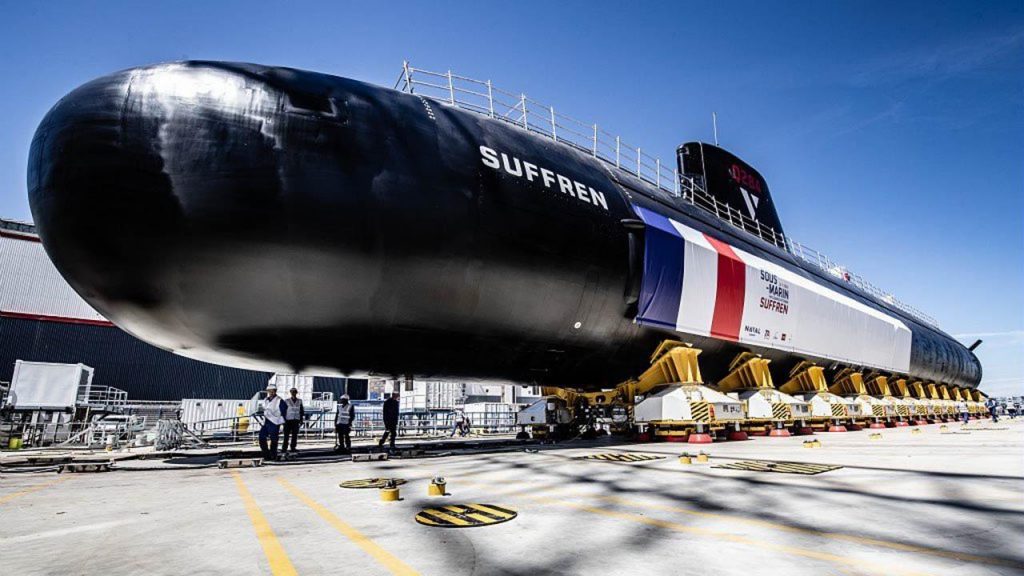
(937, 501)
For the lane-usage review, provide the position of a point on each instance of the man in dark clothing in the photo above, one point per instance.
(992, 406)
(343, 420)
(390, 420)
(293, 419)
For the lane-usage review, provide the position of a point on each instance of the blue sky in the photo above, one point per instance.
(891, 133)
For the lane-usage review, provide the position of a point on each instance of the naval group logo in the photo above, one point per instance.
(534, 173)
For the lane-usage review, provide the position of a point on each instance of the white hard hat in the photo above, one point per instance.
(271, 386)
(344, 397)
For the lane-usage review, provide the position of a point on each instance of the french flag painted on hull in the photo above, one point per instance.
(697, 284)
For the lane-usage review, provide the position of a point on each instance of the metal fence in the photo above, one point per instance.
(482, 97)
(320, 426)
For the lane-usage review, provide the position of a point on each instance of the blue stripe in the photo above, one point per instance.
(662, 283)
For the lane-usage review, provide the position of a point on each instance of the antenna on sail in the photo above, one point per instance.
(714, 124)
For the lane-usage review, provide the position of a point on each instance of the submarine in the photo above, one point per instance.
(282, 220)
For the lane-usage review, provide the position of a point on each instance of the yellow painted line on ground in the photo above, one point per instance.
(674, 526)
(280, 564)
(389, 561)
(866, 540)
(31, 489)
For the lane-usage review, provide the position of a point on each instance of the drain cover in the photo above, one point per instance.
(781, 467)
(465, 515)
(371, 482)
(619, 457)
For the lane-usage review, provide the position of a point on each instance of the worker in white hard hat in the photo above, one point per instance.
(292, 419)
(343, 424)
(274, 409)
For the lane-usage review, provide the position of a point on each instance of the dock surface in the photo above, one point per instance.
(937, 501)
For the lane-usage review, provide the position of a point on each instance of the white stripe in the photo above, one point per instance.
(700, 282)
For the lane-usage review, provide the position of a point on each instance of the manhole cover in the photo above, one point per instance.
(465, 515)
(371, 482)
(781, 467)
(618, 457)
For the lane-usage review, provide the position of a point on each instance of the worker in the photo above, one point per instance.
(390, 420)
(460, 423)
(965, 412)
(274, 409)
(293, 419)
(1014, 408)
(992, 407)
(343, 424)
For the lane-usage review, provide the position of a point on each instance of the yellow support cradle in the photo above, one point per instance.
(848, 382)
(805, 377)
(878, 386)
(747, 372)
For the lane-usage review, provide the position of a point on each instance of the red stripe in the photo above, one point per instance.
(48, 318)
(20, 235)
(731, 289)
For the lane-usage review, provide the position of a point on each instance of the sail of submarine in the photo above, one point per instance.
(278, 219)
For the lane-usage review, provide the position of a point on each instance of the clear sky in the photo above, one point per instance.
(891, 133)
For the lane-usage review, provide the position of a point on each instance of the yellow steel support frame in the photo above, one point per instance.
(567, 394)
(747, 372)
(805, 377)
(900, 388)
(878, 386)
(919, 390)
(848, 382)
(933, 391)
(673, 361)
(944, 392)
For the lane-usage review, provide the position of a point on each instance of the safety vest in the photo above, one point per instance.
(344, 414)
(294, 409)
(272, 410)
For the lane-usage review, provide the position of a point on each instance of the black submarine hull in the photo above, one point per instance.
(285, 220)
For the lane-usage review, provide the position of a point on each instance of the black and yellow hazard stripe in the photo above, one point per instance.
(700, 411)
(780, 467)
(372, 482)
(877, 410)
(617, 457)
(465, 515)
(838, 410)
(781, 411)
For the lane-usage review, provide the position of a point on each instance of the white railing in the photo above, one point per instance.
(482, 97)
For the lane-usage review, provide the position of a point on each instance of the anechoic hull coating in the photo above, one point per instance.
(277, 219)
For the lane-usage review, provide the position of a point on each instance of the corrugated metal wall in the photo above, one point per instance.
(30, 284)
(122, 361)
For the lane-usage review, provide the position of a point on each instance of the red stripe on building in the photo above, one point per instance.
(19, 235)
(730, 292)
(48, 318)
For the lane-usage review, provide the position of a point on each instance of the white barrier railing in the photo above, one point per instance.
(482, 97)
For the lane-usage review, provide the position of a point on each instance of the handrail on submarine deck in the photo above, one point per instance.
(482, 97)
